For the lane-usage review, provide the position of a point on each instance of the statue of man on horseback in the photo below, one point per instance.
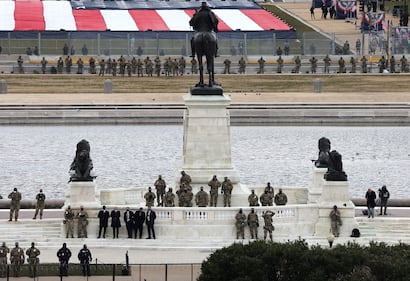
(204, 42)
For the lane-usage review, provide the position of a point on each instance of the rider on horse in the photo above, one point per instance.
(203, 20)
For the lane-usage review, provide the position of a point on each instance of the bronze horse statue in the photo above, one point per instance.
(204, 42)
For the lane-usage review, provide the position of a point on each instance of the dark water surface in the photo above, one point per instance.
(33, 157)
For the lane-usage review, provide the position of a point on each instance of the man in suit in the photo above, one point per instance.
(115, 222)
(103, 215)
(139, 219)
(129, 221)
(149, 220)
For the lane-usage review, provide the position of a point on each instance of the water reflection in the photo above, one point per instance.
(39, 157)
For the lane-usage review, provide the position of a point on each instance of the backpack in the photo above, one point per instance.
(355, 233)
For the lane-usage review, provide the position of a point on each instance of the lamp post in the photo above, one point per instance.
(330, 239)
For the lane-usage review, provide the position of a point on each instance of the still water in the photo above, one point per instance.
(33, 157)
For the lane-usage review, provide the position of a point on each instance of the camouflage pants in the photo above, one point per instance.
(214, 199)
(14, 209)
(69, 228)
(227, 200)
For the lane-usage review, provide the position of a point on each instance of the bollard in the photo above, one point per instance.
(3, 87)
(317, 86)
(108, 86)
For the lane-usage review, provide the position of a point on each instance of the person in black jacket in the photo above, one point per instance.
(64, 255)
(149, 220)
(139, 219)
(84, 256)
(103, 216)
(115, 222)
(371, 202)
(129, 223)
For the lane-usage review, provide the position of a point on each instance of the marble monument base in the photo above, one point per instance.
(335, 193)
(82, 193)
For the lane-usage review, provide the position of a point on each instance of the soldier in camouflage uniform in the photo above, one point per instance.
(194, 66)
(240, 221)
(80, 66)
(201, 198)
(242, 65)
(82, 223)
(185, 179)
(91, 63)
(268, 227)
(364, 64)
(227, 191)
(327, 61)
(4, 250)
(214, 184)
(297, 64)
(109, 66)
(68, 64)
(16, 259)
(102, 67)
(15, 197)
(253, 199)
(353, 63)
(253, 223)
(313, 64)
(169, 198)
(261, 63)
(149, 198)
(157, 62)
(43, 65)
(69, 222)
(181, 66)
(281, 198)
(160, 186)
(20, 65)
(266, 199)
(280, 64)
(114, 67)
(41, 199)
(140, 71)
(342, 68)
(33, 260)
(60, 65)
(134, 65)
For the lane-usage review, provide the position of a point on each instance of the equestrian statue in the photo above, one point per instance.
(204, 42)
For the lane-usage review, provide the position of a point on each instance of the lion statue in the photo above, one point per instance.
(82, 165)
(335, 168)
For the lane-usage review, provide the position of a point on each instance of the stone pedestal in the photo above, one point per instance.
(207, 143)
(335, 193)
(315, 191)
(82, 193)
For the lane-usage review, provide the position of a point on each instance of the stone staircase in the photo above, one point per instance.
(27, 231)
(385, 228)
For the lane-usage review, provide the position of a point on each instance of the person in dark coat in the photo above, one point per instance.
(371, 202)
(139, 219)
(129, 223)
(115, 222)
(103, 216)
(149, 220)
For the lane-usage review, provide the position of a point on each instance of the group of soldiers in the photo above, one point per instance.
(17, 258)
(252, 220)
(175, 67)
(185, 195)
(267, 197)
(120, 66)
(15, 199)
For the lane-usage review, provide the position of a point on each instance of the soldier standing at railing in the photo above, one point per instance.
(268, 227)
(4, 250)
(16, 259)
(33, 259)
(227, 191)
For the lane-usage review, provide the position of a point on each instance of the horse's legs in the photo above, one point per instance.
(210, 67)
(201, 71)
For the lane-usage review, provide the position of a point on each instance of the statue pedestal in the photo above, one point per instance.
(315, 191)
(335, 193)
(207, 143)
(82, 193)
